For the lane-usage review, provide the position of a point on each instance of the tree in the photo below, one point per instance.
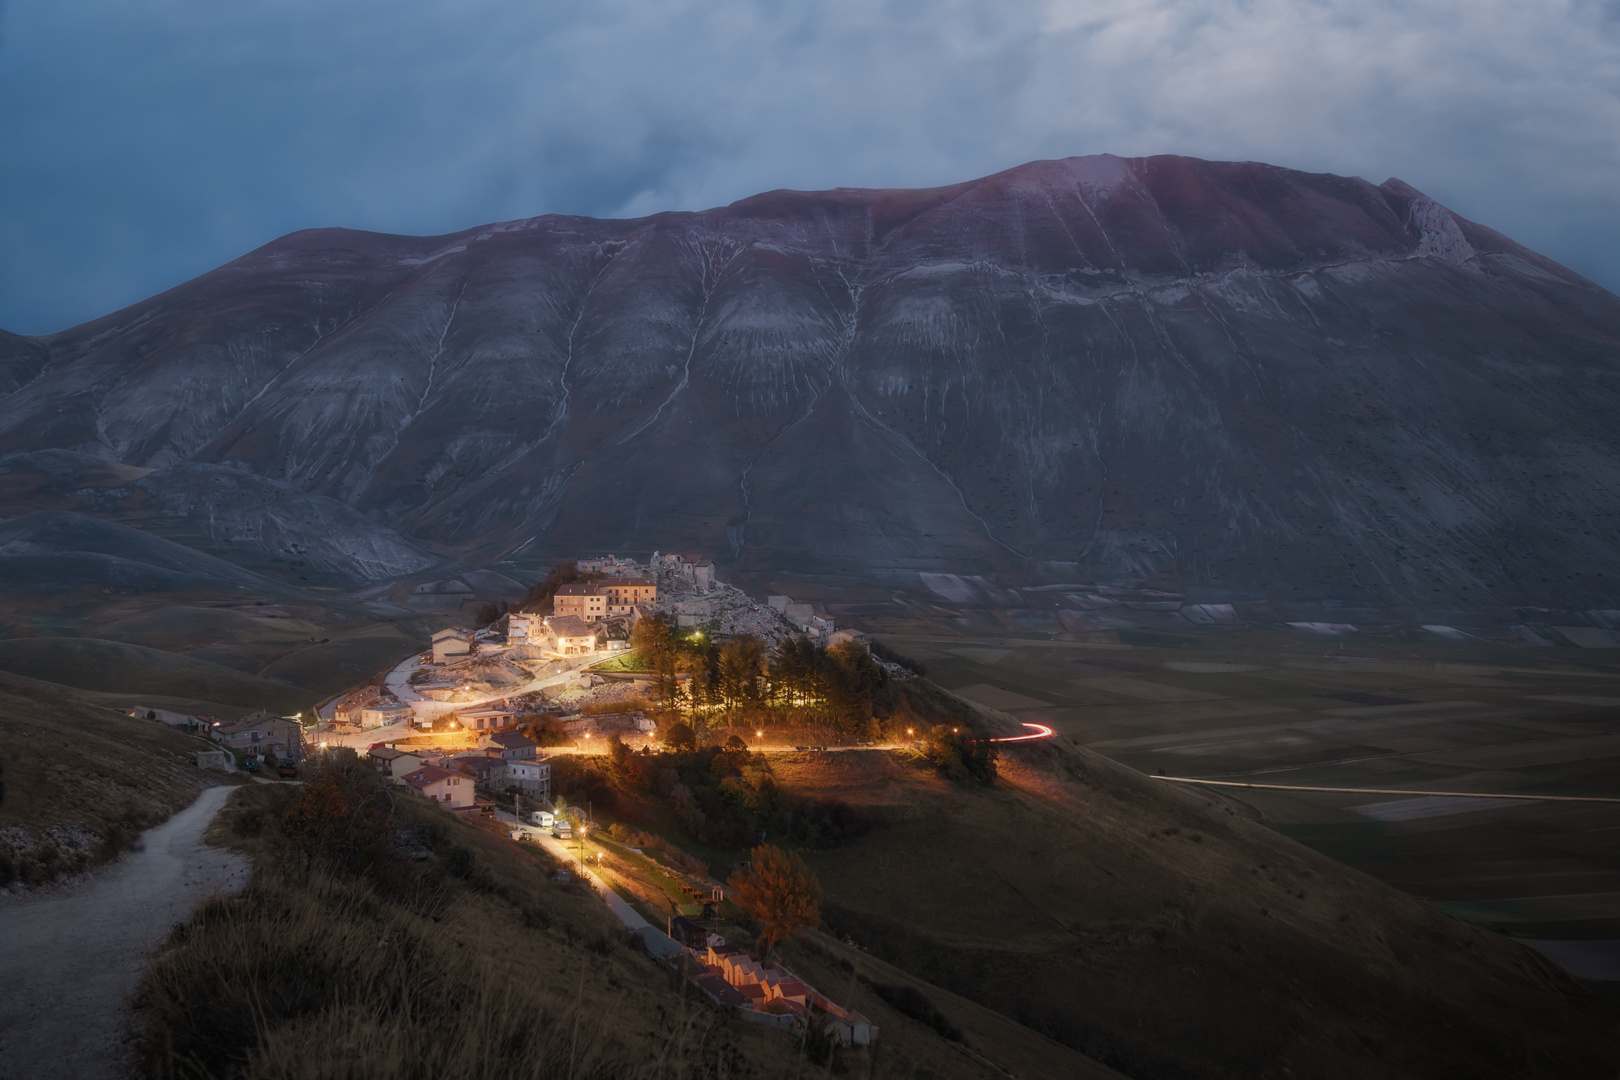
(679, 736)
(958, 757)
(853, 678)
(618, 755)
(654, 642)
(742, 662)
(778, 891)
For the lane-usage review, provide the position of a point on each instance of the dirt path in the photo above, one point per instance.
(70, 959)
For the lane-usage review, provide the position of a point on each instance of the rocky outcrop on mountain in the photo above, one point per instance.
(1230, 377)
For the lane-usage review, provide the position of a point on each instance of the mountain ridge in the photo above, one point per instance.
(1223, 375)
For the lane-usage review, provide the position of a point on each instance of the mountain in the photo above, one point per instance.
(1233, 379)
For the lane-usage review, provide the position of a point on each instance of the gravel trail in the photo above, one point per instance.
(70, 958)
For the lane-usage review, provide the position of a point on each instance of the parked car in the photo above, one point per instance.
(250, 764)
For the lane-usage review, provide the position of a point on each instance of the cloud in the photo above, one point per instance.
(141, 143)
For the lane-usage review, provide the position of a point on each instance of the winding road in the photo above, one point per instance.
(70, 958)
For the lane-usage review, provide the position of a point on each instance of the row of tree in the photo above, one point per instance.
(836, 683)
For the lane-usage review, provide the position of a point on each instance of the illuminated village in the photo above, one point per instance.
(463, 722)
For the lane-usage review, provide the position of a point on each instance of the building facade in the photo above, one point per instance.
(265, 735)
(583, 602)
(569, 636)
(624, 593)
(451, 644)
(452, 790)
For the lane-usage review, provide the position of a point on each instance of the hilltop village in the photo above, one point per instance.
(481, 680)
(456, 725)
(658, 696)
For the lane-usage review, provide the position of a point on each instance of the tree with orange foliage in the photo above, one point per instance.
(341, 816)
(778, 891)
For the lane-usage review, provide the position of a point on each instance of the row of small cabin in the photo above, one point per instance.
(731, 977)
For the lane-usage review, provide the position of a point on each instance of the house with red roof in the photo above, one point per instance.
(452, 790)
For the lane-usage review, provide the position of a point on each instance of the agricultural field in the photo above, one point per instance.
(1263, 707)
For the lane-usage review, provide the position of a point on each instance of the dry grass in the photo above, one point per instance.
(81, 781)
(1151, 929)
(474, 963)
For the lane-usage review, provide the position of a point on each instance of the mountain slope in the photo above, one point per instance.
(1228, 376)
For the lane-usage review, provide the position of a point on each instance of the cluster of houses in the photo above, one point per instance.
(730, 977)
(559, 635)
(370, 707)
(509, 761)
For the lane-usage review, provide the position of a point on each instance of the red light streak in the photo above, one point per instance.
(1041, 732)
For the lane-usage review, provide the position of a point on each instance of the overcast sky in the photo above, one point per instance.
(143, 142)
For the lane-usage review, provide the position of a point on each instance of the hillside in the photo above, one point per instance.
(1234, 379)
(79, 781)
(323, 960)
(1160, 932)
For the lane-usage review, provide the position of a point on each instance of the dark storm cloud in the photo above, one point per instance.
(143, 142)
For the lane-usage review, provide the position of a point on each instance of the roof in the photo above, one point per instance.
(576, 590)
(720, 990)
(484, 712)
(623, 581)
(511, 740)
(456, 631)
(388, 753)
(570, 626)
(428, 775)
(478, 765)
(253, 721)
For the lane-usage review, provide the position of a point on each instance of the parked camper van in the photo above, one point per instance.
(543, 818)
(562, 830)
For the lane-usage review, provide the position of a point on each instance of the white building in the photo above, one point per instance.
(451, 644)
(384, 713)
(449, 789)
(567, 635)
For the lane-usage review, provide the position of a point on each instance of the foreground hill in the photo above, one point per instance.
(1235, 377)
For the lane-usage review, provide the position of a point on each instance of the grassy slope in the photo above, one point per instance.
(88, 773)
(1164, 934)
(225, 659)
(494, 969)
(117, 667)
